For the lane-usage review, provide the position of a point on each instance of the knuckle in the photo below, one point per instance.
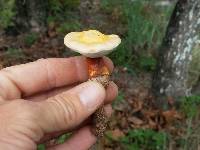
(68, 107)
(50, 73)
(7, 78)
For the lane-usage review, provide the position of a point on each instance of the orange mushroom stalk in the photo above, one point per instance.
(99, 72)
(97, 68)
(94, 45)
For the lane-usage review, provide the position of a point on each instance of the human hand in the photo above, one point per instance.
(43, 99)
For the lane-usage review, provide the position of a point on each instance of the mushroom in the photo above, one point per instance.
(94, 45)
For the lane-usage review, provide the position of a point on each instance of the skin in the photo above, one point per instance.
(44, 99)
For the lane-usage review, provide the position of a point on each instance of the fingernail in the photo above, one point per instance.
(92, 95)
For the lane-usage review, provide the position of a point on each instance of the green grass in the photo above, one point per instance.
(146, 24)
(6, 13)
(190, 106)
(30, 39)
(147, 63)
(141, 139)
(68, 27)
(14, 52)
(60, 140)
(41, 147)
(63, 138)
(144, 139)
(64, 14)
(57, 7)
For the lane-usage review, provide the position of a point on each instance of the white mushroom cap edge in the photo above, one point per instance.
(91, 43)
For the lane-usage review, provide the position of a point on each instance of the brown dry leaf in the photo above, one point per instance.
(120, 107)
(152, 124)
(124, 123)
(143, 93)
(137, 105)
(151, 113)
(117, 133)
(171, 115)
(52, 33)
(135, 120)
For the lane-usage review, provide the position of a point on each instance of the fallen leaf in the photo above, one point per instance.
(137, 105)
(171, 115)
(152, 124)
(135, 120)
(117, 133)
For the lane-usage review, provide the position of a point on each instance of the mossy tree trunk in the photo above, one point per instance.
(170, 78)
(31, 15)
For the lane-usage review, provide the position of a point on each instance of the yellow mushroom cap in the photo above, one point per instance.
(91, 43)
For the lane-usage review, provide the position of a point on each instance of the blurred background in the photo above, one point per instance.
(30, 30)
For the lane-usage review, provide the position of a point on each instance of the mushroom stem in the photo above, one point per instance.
(99, 72)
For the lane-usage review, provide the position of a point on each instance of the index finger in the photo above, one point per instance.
(43, 75)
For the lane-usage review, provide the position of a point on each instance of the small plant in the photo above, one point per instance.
(146, 139)
(64, 14)
(6, 13)
(30, 39)
(143, 32)
(147, 63)
(190, 106)
(57, 6)
(59, 140)
(68, 27)
(122, 56)
(63, 138)
(14, 52)
(41, 147)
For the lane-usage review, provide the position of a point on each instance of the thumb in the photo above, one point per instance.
(69, 109)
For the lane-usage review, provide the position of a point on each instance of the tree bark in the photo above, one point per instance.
(170, 78)
(31, 15)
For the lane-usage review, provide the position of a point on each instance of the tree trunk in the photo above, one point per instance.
(31, 15)
(170, 78)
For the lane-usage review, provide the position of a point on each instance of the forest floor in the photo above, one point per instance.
(136, 124)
